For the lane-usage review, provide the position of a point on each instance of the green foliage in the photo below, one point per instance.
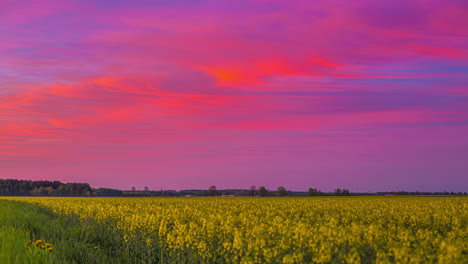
(43, 188)
(108, 192)
(212, 190)
(313, 192)
(341, 192)
(253, 190)
(14, 249)
(262, 191)
(21, 225)
(281, 191)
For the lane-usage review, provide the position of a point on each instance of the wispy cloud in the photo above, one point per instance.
(324, 93)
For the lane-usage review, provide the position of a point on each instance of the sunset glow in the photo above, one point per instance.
(366, 95)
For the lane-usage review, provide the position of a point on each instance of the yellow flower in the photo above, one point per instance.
(273, 230)
(149, 241)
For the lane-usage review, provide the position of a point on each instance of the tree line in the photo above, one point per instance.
(280, 191)
(13, 187)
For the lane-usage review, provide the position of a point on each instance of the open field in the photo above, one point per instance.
(35, 235)
(237, 230)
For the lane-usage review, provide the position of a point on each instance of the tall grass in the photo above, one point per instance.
(22, 225)
(13, 248)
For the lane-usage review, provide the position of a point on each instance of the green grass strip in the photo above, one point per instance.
(33, 234)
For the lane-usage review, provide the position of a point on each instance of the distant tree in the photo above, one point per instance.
(212, 190)
(108, 192)
(312, 192)
(253, 190)
(345, 192)
(338, 192)
(262, 191)
(282, 191)
(147, 191)
(41, 188)
(51, 192)
(61, 190)
(69, 189)
(35, 192)
(44, 191)
(133, 189)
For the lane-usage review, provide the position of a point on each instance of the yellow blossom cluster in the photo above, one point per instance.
(39, 244)
(284, 230)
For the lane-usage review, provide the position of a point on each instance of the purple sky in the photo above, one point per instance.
(363, 95)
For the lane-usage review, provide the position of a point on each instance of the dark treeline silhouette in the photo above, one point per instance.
(253, 192)
(15, 187)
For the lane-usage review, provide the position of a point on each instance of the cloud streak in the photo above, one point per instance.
(186, 94)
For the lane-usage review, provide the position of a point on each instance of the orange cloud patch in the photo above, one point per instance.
(230, 76)
(59, 123)
(253, 72)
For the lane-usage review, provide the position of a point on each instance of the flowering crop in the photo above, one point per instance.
(282, 230)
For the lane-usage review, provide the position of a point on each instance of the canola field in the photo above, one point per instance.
(273, 230)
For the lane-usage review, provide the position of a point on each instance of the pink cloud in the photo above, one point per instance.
(235, 93)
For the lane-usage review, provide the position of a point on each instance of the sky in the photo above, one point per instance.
(365, 95)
